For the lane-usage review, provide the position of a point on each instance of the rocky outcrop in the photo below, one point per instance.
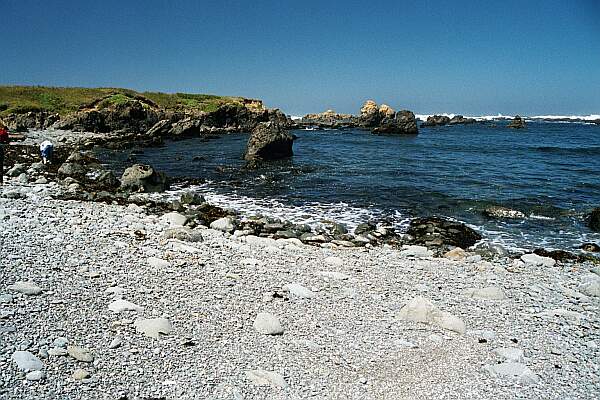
(459, 119)
(383, 119)
(329, 119)
(403, 122)
(269, 141)
(517, 123)
(143, 178)
(594, 219)
(436, 120)
(85, 169)
(30, 120)
(133, 116)
(440, 232)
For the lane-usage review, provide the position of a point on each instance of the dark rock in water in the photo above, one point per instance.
(328, 119)
(88, 171)
(143, 178)
(459, 119)
(161, 128)
(363, 228)
(591, 247)
(369, 117)
(517, 123)
(502, 212)
(436, 120)
(269, 141)
(403, 122)
(558, 255)
(192, 198)
(594, 220)
(438, 232)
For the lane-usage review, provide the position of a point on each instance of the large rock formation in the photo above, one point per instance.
(459, 119)
(30, 120)
(436, 120)
(383, 119)
(329, 119)
(402, 122)
(143, 178)
(269, 141)
(517, 123)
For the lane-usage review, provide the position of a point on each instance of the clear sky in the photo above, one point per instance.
(470, 57)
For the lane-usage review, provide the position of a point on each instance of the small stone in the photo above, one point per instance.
(334, 261)
(260, 377)
(299, 291)
(116, 342)
(267, 324)
(80, 354)
(26, 361)
(27, 288)
(510, 354)
(154, 327)
(513, 370)
(590, 285)
(174, 219)
(159, 263)
(416, 251)
(334, 275)
(61, 342)
(35, 376)
(487, 293)
(80, 374)
(6, 298)
(534, 259)
(57, 352)
(225, 224)
(120, 305)
(420, 309)
(456, 254)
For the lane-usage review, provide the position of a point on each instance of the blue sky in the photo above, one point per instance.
(471, 57)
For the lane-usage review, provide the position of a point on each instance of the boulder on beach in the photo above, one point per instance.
(143, 178)
(440, 232)
(269, 141)
(517, 123)
(88, 171)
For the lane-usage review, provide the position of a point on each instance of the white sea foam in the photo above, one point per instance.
(558, 118)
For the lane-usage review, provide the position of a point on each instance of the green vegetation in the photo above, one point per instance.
(22, 99)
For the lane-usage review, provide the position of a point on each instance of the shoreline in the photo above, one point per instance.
(85, 255)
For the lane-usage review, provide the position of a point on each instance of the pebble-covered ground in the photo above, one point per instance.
(96, 302)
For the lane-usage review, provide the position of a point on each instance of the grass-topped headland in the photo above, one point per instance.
(65, 100)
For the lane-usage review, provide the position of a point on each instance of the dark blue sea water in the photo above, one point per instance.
(549, 171)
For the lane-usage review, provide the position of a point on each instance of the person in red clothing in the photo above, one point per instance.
(3, 140)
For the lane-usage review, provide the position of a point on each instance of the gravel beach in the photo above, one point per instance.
(97, 302)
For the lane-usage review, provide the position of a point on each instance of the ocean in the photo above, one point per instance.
(550, 171)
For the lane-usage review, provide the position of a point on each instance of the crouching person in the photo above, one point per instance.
(46, 150)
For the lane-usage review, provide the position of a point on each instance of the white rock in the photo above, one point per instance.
(267, 324)
(334, 261)
(590, 285)
(26, 361)
(225, 224)
(259, 241)
(80, 374)
(420, 309)
(80, 353)
(299, 291)
(57, 352)
(512, 370)
(415, 251)
(174, 219)
(116, 342)
(487, 293)
(260, 377)
(35, 376)
(120, 305)
(334, 275)
(534, 259)
(510, 354)
(154, 327)
(27, 288)
(561, 312)
(156, 262)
